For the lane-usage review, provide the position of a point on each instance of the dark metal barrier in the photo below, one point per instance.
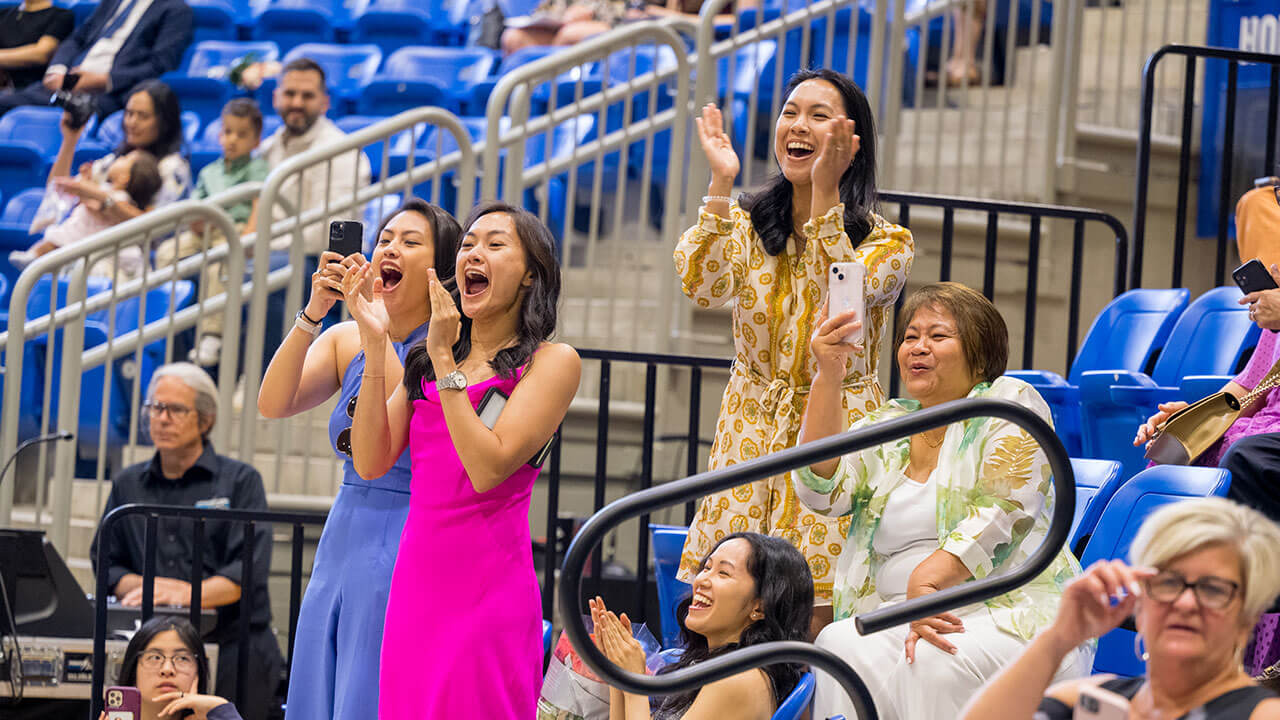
(1034, 213)
(198, 516)
(1191, 53)
(641, 503)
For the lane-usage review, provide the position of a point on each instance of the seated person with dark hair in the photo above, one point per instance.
(122, 44)
(29, 35)
(165, 661)
(181, 410)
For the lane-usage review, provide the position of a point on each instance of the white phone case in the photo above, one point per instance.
(846, 292)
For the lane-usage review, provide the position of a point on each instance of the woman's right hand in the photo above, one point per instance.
(830, 351)
(363, 292)
(717, 146)
(326, 281)
(1098, 601)
(1147, 430)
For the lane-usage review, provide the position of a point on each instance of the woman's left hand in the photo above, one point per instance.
(837, 155)
(446, 322)
(931, 630)
(613, 637)
(81, 188)
(190, 700)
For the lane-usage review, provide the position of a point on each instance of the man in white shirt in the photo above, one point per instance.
(123, 43)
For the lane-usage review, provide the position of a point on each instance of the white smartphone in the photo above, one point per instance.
(1097, 703)
(845, 292)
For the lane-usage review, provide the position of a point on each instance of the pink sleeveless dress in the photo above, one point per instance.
(463, 637)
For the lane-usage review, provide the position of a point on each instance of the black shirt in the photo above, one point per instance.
(1236, 704)
(18, 28)
(213, 482)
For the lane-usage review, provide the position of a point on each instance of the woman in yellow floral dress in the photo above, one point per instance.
(770, 255)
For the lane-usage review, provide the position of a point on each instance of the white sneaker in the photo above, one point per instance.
(21, 258)
(207, 352)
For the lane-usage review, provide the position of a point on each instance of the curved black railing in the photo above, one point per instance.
(645, 501)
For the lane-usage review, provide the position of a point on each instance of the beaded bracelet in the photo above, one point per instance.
(713, 198)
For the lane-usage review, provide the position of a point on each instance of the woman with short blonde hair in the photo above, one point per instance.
(1202, 572)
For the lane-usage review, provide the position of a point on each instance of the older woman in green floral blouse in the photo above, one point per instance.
(933, 510)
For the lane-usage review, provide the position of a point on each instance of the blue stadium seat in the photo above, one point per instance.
(203, 96)
(668, 542)
(38, 126)
(215, 58)
(1125, 335)
(4, 296)
(546, 636)
(1096, 482)
(289, 23)
(212, 20)
(1210, 338)
(401, 143)
(82, 9)
(111, 130)
(436, 142)
(578, 81)
(417, 76)
(475, 95)
(21, 208)
(1118, 524)
(565, 139)
(347, 68)
(394, 24)
(190, 126)
(793, 707)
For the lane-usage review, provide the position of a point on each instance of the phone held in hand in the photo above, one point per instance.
(346, 237)
(123, 703)
(490, 409)
(1252, 277)
(1097, 703)
(845, 290)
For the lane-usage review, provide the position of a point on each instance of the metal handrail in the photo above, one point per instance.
(737, 661)
(198, 516)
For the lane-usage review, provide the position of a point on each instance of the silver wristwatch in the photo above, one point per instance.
(453, 381)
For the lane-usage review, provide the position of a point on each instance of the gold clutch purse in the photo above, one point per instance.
(1188, 433)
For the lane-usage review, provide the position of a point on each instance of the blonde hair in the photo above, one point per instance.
(1182, 527)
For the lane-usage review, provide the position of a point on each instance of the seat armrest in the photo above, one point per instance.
(1095, 385)
(1143, 398)
(1038, 378)
(1195, 387)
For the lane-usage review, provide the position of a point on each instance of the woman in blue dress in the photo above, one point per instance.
(339, 637)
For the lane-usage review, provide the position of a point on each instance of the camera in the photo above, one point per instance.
(78, 106)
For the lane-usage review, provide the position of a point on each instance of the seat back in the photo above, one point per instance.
(214, 58)
(290, 23)
(797, 701)
(1129, 330)
(668, 543)
(347, 68)
(212, 20)
(35, 125)
(1209, 338)
(1096, 482)
(1117, 525)
(447, 65)
(21, 208)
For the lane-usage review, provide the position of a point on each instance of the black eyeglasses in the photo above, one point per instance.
(343, 443)
(1211, 592)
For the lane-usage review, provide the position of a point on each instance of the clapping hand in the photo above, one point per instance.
(613, 637)
(446, 323)
(842, 144)
(192, 700)
(717, 146)
(830, 351)
(1098, 601)
(363, 293)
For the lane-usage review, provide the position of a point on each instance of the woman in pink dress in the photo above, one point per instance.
(463, 635)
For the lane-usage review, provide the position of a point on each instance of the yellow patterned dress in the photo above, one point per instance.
(776, 301)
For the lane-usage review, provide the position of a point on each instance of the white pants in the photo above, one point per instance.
(937, 685)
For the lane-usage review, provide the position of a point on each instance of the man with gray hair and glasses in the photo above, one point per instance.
(180, 411)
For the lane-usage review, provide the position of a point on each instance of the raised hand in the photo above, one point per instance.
(613, 637)
(446, 323)
(1147, 430)
(1098, 601)
(363, 292)
(830, 351)
(837, 153)
(718, 147)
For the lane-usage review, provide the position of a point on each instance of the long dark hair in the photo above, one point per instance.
(168, 120)
(148, 632)
(770, 207)
(784, 586)
(538, 309)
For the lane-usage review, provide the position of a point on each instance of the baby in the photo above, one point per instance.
(135, 178)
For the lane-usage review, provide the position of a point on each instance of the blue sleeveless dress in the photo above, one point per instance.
(339, 638)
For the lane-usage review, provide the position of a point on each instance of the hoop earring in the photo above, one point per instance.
(1138, 650)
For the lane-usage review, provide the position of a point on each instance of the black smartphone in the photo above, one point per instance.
(1252, 277)
(491, 407)
(69, 80)
(346, 237)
